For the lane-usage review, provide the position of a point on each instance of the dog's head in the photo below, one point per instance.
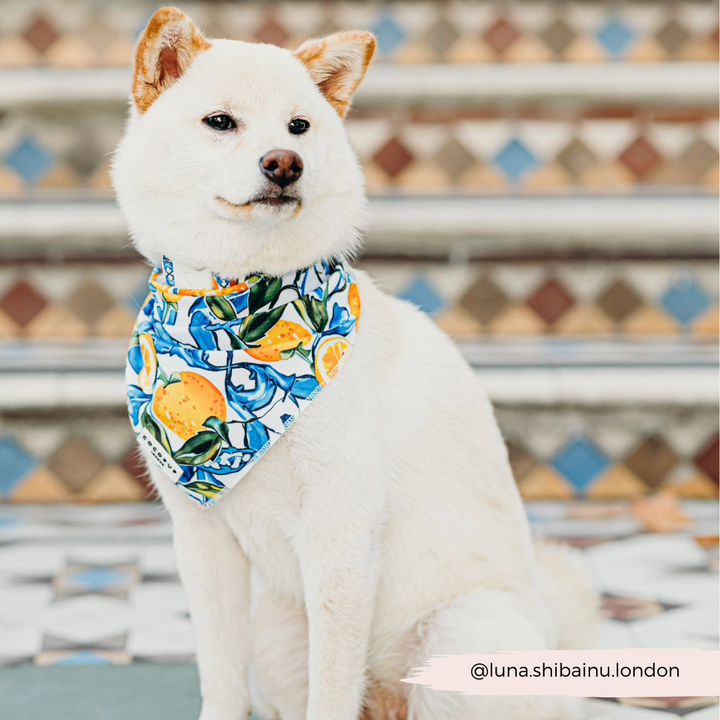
(235, 157)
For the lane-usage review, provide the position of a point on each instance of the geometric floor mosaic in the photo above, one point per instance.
(98, 585)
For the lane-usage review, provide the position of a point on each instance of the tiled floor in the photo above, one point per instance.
(97, 585)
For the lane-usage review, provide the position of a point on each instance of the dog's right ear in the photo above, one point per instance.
(167, 47)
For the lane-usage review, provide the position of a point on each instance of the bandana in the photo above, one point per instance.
(215, 377)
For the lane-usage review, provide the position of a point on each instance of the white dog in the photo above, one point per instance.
(384, 526)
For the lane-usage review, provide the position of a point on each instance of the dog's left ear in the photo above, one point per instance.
(167, 47)
(337, 64)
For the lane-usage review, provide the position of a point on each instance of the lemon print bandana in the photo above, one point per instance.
(215, 377)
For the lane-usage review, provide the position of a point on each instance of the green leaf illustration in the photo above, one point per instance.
(199, 449)
(235, 342)
(302, 307)
(319, 314)
(218, 426)
(272, 292)
(257, 325)
(155, 429)
(256, 297)
(221, 307)
(208, 489)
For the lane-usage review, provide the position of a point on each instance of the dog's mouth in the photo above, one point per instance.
(263, 200)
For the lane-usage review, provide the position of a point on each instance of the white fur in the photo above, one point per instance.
(385, 525)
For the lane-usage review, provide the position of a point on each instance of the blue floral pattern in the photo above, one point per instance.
(214, 377)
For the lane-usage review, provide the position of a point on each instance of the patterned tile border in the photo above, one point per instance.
(556, 453)
(622, 299)
(97, 34)
(418, 151)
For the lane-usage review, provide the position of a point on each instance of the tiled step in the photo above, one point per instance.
(571, 432)
(97, 34)
(420, 148)
(73, 301)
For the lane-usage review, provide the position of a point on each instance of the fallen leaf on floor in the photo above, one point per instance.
(660, 513)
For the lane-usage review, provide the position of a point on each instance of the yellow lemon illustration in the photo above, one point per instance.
(284, 335)
(184, 406)
(354, 302)
(331, 355)
(146, 376)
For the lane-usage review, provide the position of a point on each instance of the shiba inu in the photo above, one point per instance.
(383, 525)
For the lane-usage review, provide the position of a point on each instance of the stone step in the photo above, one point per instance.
(458, 227)
(694, 83)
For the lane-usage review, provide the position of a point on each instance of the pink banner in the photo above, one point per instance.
(581, 673)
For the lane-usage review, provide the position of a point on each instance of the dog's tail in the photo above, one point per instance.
(569, 593)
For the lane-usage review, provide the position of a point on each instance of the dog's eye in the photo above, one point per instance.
(298, 126)
(220, 122)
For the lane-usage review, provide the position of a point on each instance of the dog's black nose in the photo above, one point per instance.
(283, 167)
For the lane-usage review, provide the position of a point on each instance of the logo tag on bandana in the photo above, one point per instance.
(215, 377)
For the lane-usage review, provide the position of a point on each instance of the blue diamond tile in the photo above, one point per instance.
(98, 578)
(82, 657)
(685, 300)
(30, 159)
(15, 464)
(515, 159)
(388, 34)
(580, 461)
(421, 293)
(615, 35)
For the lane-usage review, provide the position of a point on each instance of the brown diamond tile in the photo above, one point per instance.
(576, 157)
(41, 34)
(272, 32)
(652, 460)
(521, 461)
(454, 158)
(76, 462)
(501, 35)
(22, 303)
(551, 301)
(484, 299)
(641, 157)
(619, 300)
(707, 459)
(672, 36)
(442, 36)
(89, 302)
(698, 158)
(393, 157)
(558, 35)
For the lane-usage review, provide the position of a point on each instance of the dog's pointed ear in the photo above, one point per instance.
(164, 52)
(337, 64)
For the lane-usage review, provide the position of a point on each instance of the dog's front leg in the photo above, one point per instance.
(216, 575)
(338, 550)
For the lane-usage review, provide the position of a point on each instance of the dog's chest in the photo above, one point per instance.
(263, 512)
